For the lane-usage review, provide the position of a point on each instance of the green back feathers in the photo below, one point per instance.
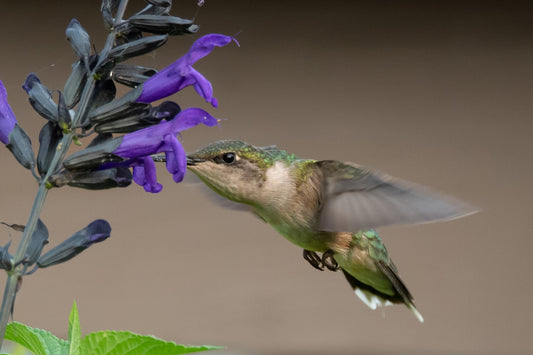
(370, 241)
(272, 154)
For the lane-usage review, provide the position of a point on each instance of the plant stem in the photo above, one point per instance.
(7, 303)
(111, 38)
(19, 271)
(13, 276)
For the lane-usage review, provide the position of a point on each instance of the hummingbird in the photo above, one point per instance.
(328, 207)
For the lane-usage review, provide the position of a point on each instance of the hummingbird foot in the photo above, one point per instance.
(329, 261)
(313, 259)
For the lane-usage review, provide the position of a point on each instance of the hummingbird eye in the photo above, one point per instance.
(228, 158)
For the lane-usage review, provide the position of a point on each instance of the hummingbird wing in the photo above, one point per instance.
(357, 198)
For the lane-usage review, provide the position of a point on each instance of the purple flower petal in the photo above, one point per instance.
(155, 139)
(205, 44)
(145, 175)
(137, 147)
(203, 87)
(180, 74)
(177, 161)
(191, 117)
(7, 117)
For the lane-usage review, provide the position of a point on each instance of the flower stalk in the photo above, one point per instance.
(20, 269)
(129, 130)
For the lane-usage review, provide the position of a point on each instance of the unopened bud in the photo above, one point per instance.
(94, 180)
(20, 146)
(132, 75)
(157, 24)
(96, 232)
(40, 97)
(74, 85)
(38, 240)
(79, 40)
(49, 138)
(138, 47)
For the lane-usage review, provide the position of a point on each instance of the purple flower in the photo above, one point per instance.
(181, 74)
(7, 117)
(136, 148)
(12, 135)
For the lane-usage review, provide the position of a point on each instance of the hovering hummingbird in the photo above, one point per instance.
(328, 207)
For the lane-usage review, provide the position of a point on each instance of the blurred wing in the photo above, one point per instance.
(357, 198)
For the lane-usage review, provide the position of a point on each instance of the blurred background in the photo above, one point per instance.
(439, 93)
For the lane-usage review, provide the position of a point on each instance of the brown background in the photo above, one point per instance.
(437, 93)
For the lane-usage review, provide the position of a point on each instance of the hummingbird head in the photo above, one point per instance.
(235, 169)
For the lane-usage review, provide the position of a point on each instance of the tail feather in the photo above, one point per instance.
(374, 298)
(371, 300)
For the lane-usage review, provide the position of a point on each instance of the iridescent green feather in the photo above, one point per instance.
(262, 157)
(369, 242)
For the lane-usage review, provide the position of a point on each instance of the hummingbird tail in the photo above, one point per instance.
(374, 299)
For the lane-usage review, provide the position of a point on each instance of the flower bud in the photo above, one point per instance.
(79, 40)
(163, 3)
(117, 108)
(109, 5)
(97, 231)
(131, 75)
(20, 146)
(130, 123)
(40, 97)
(156, 8)
(49, 138)
(99, 139)
(92, 157)
(157, 24)
(93, 180)
(138, 47)
(75, 84)
(104, 93)
(63, 115)
(38, 240)
(8, 120)
(131, 109)
(167, 110)
(136, 117)
(6, 259)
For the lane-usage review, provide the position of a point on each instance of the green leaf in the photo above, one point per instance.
(126, 343)
(38, 341)
(74, 331)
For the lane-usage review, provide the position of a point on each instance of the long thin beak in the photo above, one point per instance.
(161, 158)
(193, 161)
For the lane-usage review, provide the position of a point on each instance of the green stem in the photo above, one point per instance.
(7, 303)
(13, 276)
(111, 38)
(19, 271)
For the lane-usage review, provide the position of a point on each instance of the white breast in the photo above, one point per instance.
(278, 185)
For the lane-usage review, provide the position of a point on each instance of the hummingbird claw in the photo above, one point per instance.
(313, 259)
(329, 261)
